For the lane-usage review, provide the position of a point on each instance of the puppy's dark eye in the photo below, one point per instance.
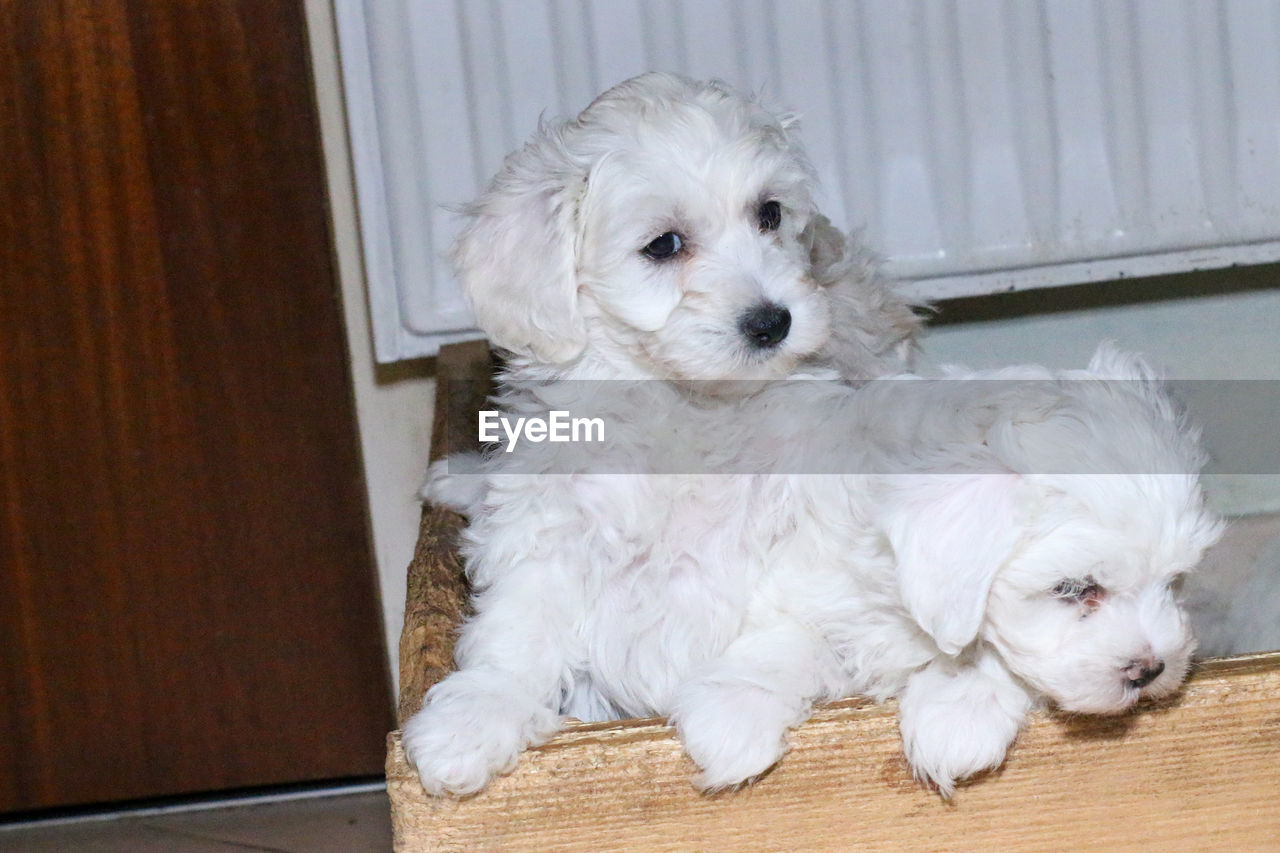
(1086, 591)
(663, 246)
(769, 215)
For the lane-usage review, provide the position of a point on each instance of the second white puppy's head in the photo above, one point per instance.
(1087, 610)
(1065, 554)
(666, 231)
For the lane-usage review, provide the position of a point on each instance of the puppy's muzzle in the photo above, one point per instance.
(1142, 672)
(766, 325)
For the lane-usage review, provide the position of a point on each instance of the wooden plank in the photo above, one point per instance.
(436, 597)
(1196, 772)
(464, 379)
(435, 601)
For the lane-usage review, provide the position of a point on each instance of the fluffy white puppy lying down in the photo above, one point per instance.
(1030, 554)
(979, 548)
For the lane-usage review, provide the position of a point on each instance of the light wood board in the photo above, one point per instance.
(1198, 772)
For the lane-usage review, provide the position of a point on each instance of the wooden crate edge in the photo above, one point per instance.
(1205, 765)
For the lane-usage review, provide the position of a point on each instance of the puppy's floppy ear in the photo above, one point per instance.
(950, 534)
(872, 325)
(826, 245)
(518, 256)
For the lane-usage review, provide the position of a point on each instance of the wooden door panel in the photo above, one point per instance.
(187, 598)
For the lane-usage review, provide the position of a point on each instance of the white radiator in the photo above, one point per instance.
(983, 145)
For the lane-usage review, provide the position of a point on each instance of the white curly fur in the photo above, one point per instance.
(733, 602)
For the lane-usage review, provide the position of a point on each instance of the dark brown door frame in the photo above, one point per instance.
(187, 593)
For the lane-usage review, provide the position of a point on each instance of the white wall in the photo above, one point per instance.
(1235, 336)
(393, 404)
(1232, 336)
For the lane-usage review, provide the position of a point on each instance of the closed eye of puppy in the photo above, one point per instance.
(667, 234)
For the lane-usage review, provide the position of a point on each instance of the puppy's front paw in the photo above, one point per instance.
(734, 734)
(943, 749)
(958, 723)
(456, 482)
(455, 756)
(461, 738)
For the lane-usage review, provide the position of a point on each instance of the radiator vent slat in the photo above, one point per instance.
(982, 145)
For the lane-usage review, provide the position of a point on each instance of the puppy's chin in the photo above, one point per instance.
(1115, 700)
(730, 376)
(721, 389)
(717, 356)
(1108, 692)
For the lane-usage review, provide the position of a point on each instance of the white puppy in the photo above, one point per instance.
(1020, 542)
(667, 234)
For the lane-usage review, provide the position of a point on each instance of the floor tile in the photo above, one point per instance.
(352, 823)
(356, 823)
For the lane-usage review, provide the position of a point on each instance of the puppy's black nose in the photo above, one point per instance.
(1142, 673)
(765, 325)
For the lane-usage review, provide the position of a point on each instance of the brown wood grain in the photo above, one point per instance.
(436, 597)
(187, 598)
(1199, 772)
(464, 380)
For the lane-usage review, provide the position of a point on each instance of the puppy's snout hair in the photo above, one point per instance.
(1142, 672)
(765, 325)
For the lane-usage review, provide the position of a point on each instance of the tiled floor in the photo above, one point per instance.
(347, 823)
